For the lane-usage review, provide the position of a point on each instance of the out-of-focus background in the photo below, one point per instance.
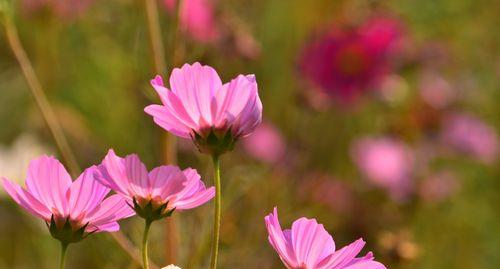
(381, 120)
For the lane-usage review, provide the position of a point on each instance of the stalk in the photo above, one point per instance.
(217, 217)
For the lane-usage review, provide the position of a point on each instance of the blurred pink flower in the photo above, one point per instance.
(436, 91)
(307, 245)
(66, 9)
(197, 18)
(385, 162)
(200, 107)
(328, 191)
(346, 63)
(439, 186)
(265, 144)
(51, 195)
(470, 135)
(165, 188)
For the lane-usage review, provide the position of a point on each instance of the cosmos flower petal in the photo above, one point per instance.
(366, 265)
(86, 193)
(196, 85)
(26, 200)
(48, 181)
(168, 121)
(310, 241)
(108, 212)
(345, 255)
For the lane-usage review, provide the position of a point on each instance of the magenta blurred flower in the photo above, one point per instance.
(439, 186)
(470, 135)
(197, 18)
(265, 144)
(346, 63)
(307, 245)
(72, 210)
(385, 162)
(200, 107)
(157, 193)
(66, 9)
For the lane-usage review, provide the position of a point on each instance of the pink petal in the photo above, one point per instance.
(167, 120)
(278, 241)
(127, 176)
(311, 242)
(166, 180)
(86, 193)
(366, 265)
(26, 200)
(104, 216)
(48, 182)
(196, 86)
(345, 255)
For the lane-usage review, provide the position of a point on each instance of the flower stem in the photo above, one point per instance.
(217, 217)
(145, 260)
(64, 248)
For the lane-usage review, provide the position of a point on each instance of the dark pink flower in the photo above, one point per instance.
(265, 144)
(307, 245)
(386, 163)
(470, 135)
(197, 18)
(71, 209)
(344, 63)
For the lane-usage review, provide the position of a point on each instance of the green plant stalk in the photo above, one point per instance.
(217, 210)
(145, 260)
(64, 248)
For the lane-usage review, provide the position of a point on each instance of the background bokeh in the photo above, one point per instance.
(404, 155)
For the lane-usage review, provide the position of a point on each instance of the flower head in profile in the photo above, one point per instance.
(386, 163)
(345, 63)
(72, 210)
(468, 134)
(156, 194)
(307, 245)
(200, 107)
(197, 18)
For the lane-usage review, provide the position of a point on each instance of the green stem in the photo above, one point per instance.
(145, 260)
(215, 240)
(64, 248)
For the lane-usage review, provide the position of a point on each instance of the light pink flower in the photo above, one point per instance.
(164, 188)
(385, 162)
(265, 144)
(307, 245)
(328, 191)
(470, 135)
(197, 18)
(436, 91)
(439, 186)
(200, 107)
(52, 196)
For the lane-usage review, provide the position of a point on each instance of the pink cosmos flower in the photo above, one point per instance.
(265, 144)
(79, 206)
(346, 63)
(469, 134)
(200, 107)
(157, 193)
(385, 162)
(197, 18)
(436, 91)
(307, 245)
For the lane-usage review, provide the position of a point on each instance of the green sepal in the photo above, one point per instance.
(150, 212)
